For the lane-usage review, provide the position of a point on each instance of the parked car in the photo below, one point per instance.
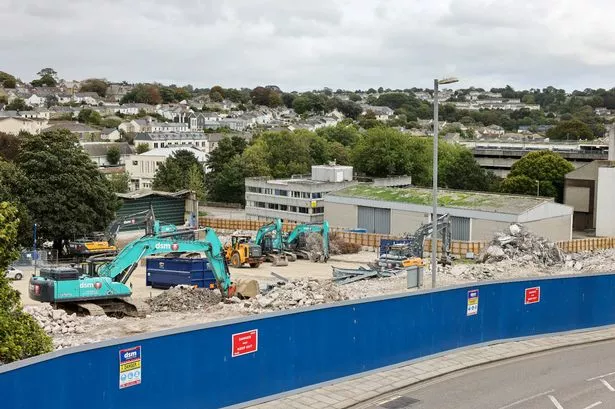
(14, 273)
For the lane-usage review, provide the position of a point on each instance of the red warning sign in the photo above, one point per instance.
(532, 295)
(245, 343)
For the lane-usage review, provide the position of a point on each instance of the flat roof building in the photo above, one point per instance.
(475, 216)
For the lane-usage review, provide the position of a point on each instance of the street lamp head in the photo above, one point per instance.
(450, 80)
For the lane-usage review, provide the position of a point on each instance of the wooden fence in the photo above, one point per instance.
(459, 249)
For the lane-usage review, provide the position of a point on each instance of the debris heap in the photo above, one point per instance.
(184, 298)
(55, 322)
(291, 294)
(519, 244)
(337, 245)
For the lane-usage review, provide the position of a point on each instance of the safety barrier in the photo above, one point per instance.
(229, 363)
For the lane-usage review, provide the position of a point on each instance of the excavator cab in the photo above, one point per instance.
(242, 251)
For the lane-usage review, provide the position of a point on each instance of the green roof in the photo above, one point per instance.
(489, 202)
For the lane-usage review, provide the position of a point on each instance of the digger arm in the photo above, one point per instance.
(121, 267)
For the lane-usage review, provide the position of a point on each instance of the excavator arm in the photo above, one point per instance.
(121, 267)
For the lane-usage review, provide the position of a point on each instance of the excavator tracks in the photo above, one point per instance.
(114, 307)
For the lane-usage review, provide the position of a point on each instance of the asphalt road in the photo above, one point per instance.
(573, 378)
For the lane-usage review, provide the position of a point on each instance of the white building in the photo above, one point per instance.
(169, 127)
(155, 140)
(142, 168)
(15, 125)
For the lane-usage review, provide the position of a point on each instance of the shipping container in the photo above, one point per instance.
(168, 272)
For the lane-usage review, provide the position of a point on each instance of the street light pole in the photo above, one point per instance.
(538, 188)
(434, 192)
(434, 215)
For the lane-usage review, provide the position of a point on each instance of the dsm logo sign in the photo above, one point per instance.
(129, 355)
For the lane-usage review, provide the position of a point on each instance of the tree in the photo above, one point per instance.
(14, 186)
(68, 195)
(7, 80)
(18, 104)
(110, 122)
(288, 99)
(143, 93)
(382, 152)
(542, 167)
(573, 129)
(354, 97)
(48, 78)
(20, 335)
(89, 116)
(459, 170)
(9, 146)
(196, 181)
(113, 155)
(266, 96)
(301, 104)
(172, 175)
(142, 148)
(51, 101)
(120, 182)
(95, 85)
(347, 135)
(215, 96)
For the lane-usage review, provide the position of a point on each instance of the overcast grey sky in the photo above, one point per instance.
(302, 45)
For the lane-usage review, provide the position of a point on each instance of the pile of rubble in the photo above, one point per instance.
(184, 298)
(292, 294)
(55, 322)
(522, 246)
(337, 245)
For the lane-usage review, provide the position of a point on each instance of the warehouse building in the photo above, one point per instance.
(474, 216)
(177, 208)
(300, 199)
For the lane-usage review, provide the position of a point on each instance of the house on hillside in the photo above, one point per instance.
(142, 168)
(85, 132)
(110, 134)
(15, 125)
(98, 152)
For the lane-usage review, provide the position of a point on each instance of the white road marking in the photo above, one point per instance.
(593, 405)
(388, 400)
(555, 402)
(608, 385)
(510, 405)
(601, 376)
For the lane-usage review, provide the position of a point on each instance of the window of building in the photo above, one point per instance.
(318, 210)
(268, 191)
(280, 192)
(272, 206)
(296, 194)
(305, 195)
(316, 195)
(304, 210)
(292, 209)
(284, 208)
(155, 144)
(135, 162)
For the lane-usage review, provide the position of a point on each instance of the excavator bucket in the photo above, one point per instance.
(279, 261)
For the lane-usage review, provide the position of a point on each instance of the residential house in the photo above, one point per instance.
(491, 131)
(35, 100)
(155, 140)
(133, 109)
(84, 132)
(87, 98)
(98, 152)
(382, 113)
(118, 91)
(529, 129)
(142, 168)
(169, 127)
(15, 125)
(64, 98)
(135, 125)
(59, 112)
(106, 110)
(110, 134)
(38, 113)
(174, 112)
(201, 120)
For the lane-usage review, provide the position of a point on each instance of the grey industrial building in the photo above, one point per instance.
(300, 198)
(475, 216)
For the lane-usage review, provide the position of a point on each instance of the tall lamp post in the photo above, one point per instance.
(434, 216)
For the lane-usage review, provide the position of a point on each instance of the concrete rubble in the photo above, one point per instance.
(519, 244)
(293, 294)
(184, 298)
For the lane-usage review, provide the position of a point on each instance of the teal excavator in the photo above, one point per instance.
(100, 286)
(296, 241)
(269, 237)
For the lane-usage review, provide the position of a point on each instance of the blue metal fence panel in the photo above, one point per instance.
(195, 368)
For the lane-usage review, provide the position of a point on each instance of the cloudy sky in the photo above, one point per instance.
(302, 45)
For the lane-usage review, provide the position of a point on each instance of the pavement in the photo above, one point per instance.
(567, 379)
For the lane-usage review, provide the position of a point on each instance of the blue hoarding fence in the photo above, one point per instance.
(228, 363)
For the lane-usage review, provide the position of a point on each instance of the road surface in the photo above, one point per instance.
(573, 378)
